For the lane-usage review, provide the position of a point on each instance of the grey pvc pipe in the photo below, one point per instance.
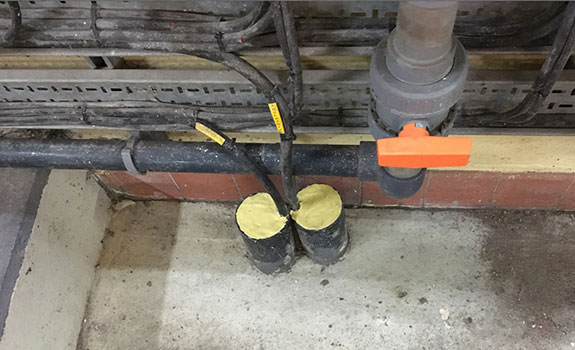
(421, 48)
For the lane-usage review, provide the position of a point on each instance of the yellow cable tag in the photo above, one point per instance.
(277, 117)
(210, 133)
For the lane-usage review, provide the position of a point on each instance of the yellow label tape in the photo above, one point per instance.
(210, 133)
(277, 117)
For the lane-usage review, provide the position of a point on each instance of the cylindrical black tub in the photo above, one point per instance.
(324, 245)
(272, 254)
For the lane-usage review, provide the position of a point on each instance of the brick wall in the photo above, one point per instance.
(441, 189)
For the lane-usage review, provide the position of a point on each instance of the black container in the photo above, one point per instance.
(273, 254)
(327, 245)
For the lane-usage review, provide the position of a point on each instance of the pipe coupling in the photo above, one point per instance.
(396, 103)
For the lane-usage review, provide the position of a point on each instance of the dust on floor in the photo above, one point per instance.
(174, 276)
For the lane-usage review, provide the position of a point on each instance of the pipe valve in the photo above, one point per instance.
(417, 75)
(414, 148)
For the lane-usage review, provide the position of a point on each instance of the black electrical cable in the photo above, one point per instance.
(273, 95)
(472, 34)
(15, 22)
(536, 97)
(206, 32)
(556, 60)
(228, 41)
(136, 115)
(173, 25)
(238, 64)
(283, 22)
(228, 59)
(145, 20)
(294, 61)
(211, 36)
(255, 168)
(491, 34)
(184, 117)
(154, 116)
(163, 14)
(327, 37)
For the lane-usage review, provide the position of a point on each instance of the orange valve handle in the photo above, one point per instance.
(414, 148)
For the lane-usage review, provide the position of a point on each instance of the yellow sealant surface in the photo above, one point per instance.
(258, 217)
(320, 206)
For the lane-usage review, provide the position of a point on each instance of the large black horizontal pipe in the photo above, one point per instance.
(194, 157)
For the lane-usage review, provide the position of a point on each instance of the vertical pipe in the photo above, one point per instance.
(421, 48)
(416, 77)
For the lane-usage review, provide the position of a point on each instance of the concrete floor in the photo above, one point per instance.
(21, 191)
(175, 276)
(57, 247)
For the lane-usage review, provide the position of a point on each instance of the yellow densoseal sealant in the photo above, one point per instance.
(258, 217)
(320, 206)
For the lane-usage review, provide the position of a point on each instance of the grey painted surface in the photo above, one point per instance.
(174, 276)
(20, 193)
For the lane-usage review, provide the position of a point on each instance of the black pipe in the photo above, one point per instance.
(201, 157)
(195, 157)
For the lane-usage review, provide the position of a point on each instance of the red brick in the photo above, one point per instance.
(533, 191)
(151, 185)
(567, 201)
(460, 189)
(211, 187)
(348, 187)
(373, 196)
(248, 184)
(440, 188)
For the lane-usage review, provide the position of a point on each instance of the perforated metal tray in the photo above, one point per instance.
(324, 90)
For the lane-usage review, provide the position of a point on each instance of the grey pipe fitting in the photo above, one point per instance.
(421, 48)
(416, 76)
(398, 103)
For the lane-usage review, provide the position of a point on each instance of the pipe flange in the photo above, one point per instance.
(418, 72)
(397, 187)
(380, 130)
(377, 127)
(397, 102)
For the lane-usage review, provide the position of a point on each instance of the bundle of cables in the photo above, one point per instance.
(70, 27)
(217, 40)
(129, 115)
(474, 33)
(524, 112)
(214, 38)
(213, 42)
(105, 27)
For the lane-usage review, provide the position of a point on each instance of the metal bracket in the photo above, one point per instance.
(128, 155)
(105, 62)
